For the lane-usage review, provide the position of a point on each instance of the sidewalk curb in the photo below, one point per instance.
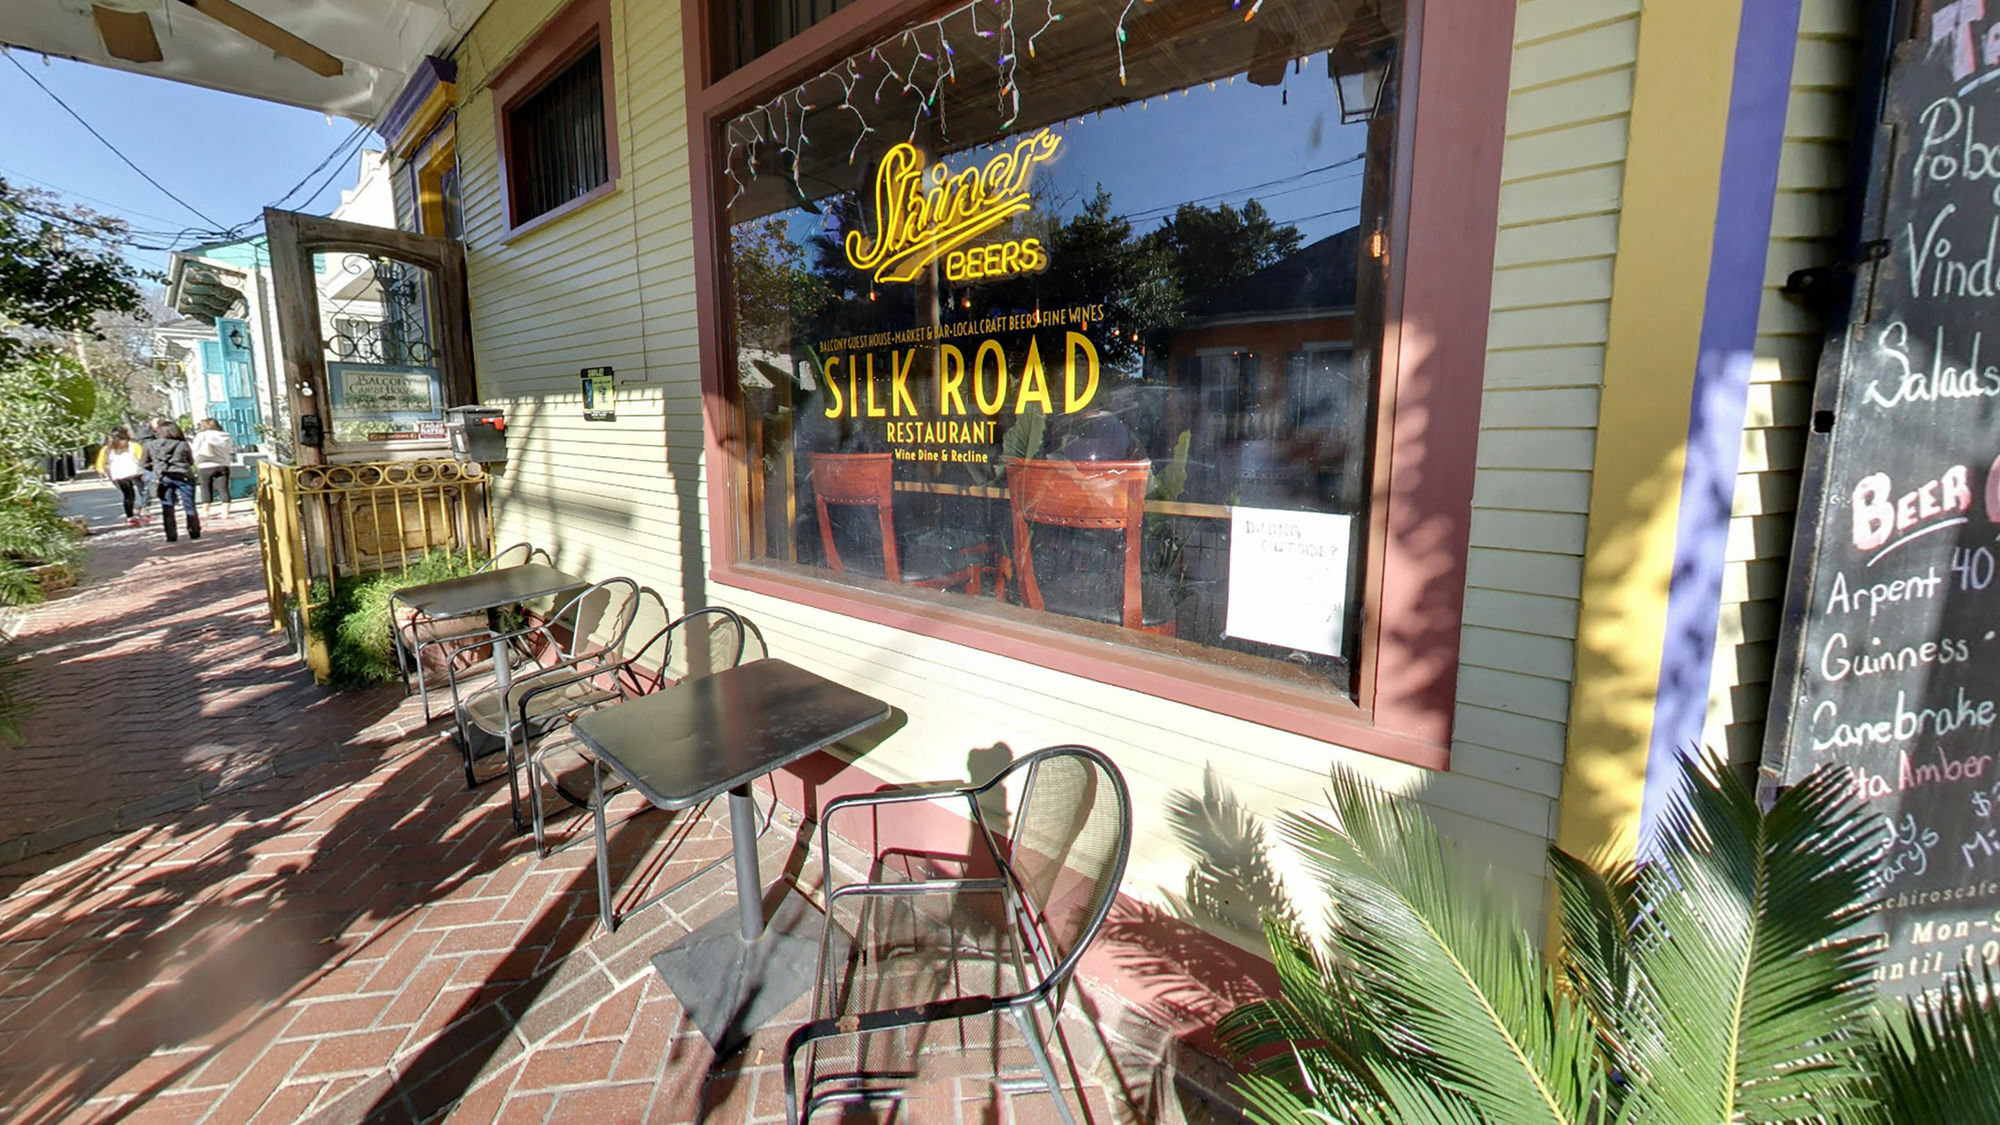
(189, 794)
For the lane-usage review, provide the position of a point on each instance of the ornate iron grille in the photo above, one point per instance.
(389, 320)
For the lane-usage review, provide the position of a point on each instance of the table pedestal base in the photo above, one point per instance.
(730, 986)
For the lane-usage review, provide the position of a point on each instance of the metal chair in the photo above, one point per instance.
(570, 675)
(411, 632)
(711, 639)
(1057, 866)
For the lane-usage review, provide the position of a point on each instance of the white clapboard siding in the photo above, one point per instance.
(1811, 171)
(613, 283)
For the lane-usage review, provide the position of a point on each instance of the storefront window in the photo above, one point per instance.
(1074, 316)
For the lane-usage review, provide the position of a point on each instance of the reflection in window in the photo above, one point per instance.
(1078, 318)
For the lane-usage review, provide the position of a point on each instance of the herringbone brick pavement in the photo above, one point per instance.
(332, 928)
(159, 679)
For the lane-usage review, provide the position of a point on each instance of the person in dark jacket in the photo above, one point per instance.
(171, 460)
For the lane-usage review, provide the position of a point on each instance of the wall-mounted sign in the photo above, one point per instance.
(924, 213)
(600, 395)
(1288, 578)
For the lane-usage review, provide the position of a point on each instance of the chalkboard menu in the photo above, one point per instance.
(1890, 663)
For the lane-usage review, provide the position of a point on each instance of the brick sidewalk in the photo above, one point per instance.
(343, 932)
(158, 680)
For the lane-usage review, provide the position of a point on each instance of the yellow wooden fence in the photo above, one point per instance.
(320, 525)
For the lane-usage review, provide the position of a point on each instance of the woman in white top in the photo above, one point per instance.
(211, 462)
(118, 460)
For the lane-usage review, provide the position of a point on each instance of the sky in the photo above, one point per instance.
(224, 154)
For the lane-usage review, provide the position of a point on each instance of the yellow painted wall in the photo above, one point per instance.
(1806, 217)
(1679, 119)
(612, 283)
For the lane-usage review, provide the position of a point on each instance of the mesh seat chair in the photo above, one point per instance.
(578, 649)
(1086, 499)
(1057, 864)
(940, 559)
(411, 632)
(693, 645)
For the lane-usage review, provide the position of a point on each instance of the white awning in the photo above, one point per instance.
(350, 58)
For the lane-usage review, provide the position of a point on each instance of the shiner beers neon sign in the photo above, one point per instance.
(924, 214)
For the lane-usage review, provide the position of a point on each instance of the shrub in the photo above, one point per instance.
(354, 621)
(1729, 980)
(33, 533)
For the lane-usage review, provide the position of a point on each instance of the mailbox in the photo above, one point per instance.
(476, 433)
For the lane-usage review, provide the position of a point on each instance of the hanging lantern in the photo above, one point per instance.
(1361, 79)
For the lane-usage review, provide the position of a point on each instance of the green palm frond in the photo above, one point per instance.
(1461, 992)
(1317, 1036)
(1599, 910)
(1270, 1102)
(1752, 989)
(1939, 1062)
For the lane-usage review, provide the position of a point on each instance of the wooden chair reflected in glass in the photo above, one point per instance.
(940, 558)
(1062, 510)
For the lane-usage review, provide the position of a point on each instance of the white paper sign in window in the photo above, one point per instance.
(1288, 578)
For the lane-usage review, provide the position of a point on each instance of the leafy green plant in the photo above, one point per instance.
(1165, 547)
(33, 533)
(1727, 981)
(353, 619)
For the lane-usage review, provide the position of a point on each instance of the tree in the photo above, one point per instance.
(1730, 980)
(121, 363)
(1213, 248)
(1096, 261)
(60, 271)
(777, 297)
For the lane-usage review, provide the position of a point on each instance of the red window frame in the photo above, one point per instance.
(560, 42)
(1451, 132)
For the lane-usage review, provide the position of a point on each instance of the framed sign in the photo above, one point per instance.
(383, 402)
(600, 395)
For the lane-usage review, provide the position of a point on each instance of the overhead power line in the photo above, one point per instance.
(30, 75)
(119, 208)
(338, 149)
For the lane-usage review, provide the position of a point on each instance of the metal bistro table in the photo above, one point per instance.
(491, 591)
(681, 747)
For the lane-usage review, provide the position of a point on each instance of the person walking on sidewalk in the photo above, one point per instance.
(118, 460)
(212, 450)
(172, 460)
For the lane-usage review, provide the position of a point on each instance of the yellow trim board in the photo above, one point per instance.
(1673, 168)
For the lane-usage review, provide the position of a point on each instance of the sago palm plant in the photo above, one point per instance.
(1726, 981)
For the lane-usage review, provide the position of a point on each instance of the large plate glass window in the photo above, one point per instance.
(1072, 313)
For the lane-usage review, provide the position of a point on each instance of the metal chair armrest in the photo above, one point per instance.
(886, 1019)
(463, 643)
(919, 887)
(545, 680)
(900, 796)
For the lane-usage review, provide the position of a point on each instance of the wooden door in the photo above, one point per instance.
(377, 340)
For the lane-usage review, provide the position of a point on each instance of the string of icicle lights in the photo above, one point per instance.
(932, 67)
